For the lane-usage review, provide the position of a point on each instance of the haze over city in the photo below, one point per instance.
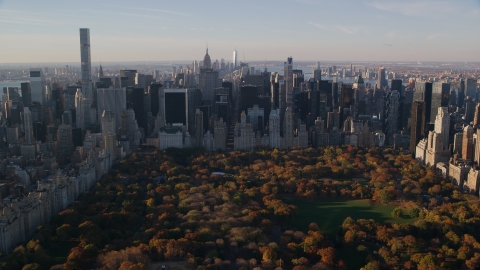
(370, 30)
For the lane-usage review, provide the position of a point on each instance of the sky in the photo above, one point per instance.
(309, 30)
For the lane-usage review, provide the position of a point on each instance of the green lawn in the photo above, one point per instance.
(59, 252)
(329, 215)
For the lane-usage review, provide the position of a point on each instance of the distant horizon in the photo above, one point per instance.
(269, 62)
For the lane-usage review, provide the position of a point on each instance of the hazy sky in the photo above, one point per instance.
(317, 30)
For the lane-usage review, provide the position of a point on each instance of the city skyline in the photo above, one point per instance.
(308, 30)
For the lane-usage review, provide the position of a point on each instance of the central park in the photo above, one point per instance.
(326, 208)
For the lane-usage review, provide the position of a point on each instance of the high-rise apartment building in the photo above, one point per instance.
(86, 68)
(288, 77)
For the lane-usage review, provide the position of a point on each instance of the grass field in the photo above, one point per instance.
(329, 215)
(60, 252)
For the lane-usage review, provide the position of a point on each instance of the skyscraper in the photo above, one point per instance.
(235, 58)
(442, 124)
(382, 81)
(207, 62)
(440, 98)
(37, 86)
(471, 87)
(26, 94)
(288, 77)
(317, 72)
(423, 92)
(113, 100)
(467, 143)
(417, 131)
(27, 121)
(86, 67)
(391, 125)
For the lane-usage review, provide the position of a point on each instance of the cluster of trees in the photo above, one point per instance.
(169, 205)
(442, 237)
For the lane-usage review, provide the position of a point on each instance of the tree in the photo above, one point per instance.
(328, 255)
(32, 266)
(397, 213)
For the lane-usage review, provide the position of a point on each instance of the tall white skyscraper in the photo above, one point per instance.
(27, 121)
(37, 85)
(235, 59)
(86, 66)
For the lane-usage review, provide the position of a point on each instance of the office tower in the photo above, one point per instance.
(382, 81)
(140, 81)
(274, 92)
(423, 92)
(471, 88)
(139, 106)
(127, 77)
(248, 97)
(113, 100)
(461, 94)
(86, 68)
(442, 125)
(208, 81)
(222, 107)
(347, 96)
(391, 123)
(37, 85)
(199, 130)
(288, 77)
(229, 86)
(467, 143)
(207, 62)
(194, 100)
(334, 93)
(317, 72)
(235, 59)
(397, 85)
(154, 91)
(26, 94)
(418, 124)
(255, 116)
(175, 105)
(440, 98)
(469, 110)
(27, 121)
(67, 118)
